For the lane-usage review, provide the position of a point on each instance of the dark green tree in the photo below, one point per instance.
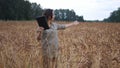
(114, 17)
(18, 10)
(67, 15)
(36, 10)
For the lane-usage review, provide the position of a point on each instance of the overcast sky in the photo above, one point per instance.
(89, 9)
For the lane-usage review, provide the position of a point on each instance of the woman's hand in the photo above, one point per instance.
(40, 29)
(39, 33)
(75, 23)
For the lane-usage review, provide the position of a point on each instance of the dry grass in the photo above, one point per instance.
(88, 45)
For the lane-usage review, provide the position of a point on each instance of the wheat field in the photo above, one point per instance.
(87, 45)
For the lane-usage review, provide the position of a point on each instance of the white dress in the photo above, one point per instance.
(50, 40)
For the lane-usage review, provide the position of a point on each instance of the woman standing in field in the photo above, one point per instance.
(49, 39)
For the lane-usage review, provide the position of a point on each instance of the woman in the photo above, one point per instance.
(49, 39)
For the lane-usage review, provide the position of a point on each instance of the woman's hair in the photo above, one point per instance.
(48, 13)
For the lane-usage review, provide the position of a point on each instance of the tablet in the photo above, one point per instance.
(42, 22)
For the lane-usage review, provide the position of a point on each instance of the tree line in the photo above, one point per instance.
(114, 16)
(67, 15)
(24, 10)
(18, 10)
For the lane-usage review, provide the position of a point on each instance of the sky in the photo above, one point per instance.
(89, 9)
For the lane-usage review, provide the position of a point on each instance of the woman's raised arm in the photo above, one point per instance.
(72, 24)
